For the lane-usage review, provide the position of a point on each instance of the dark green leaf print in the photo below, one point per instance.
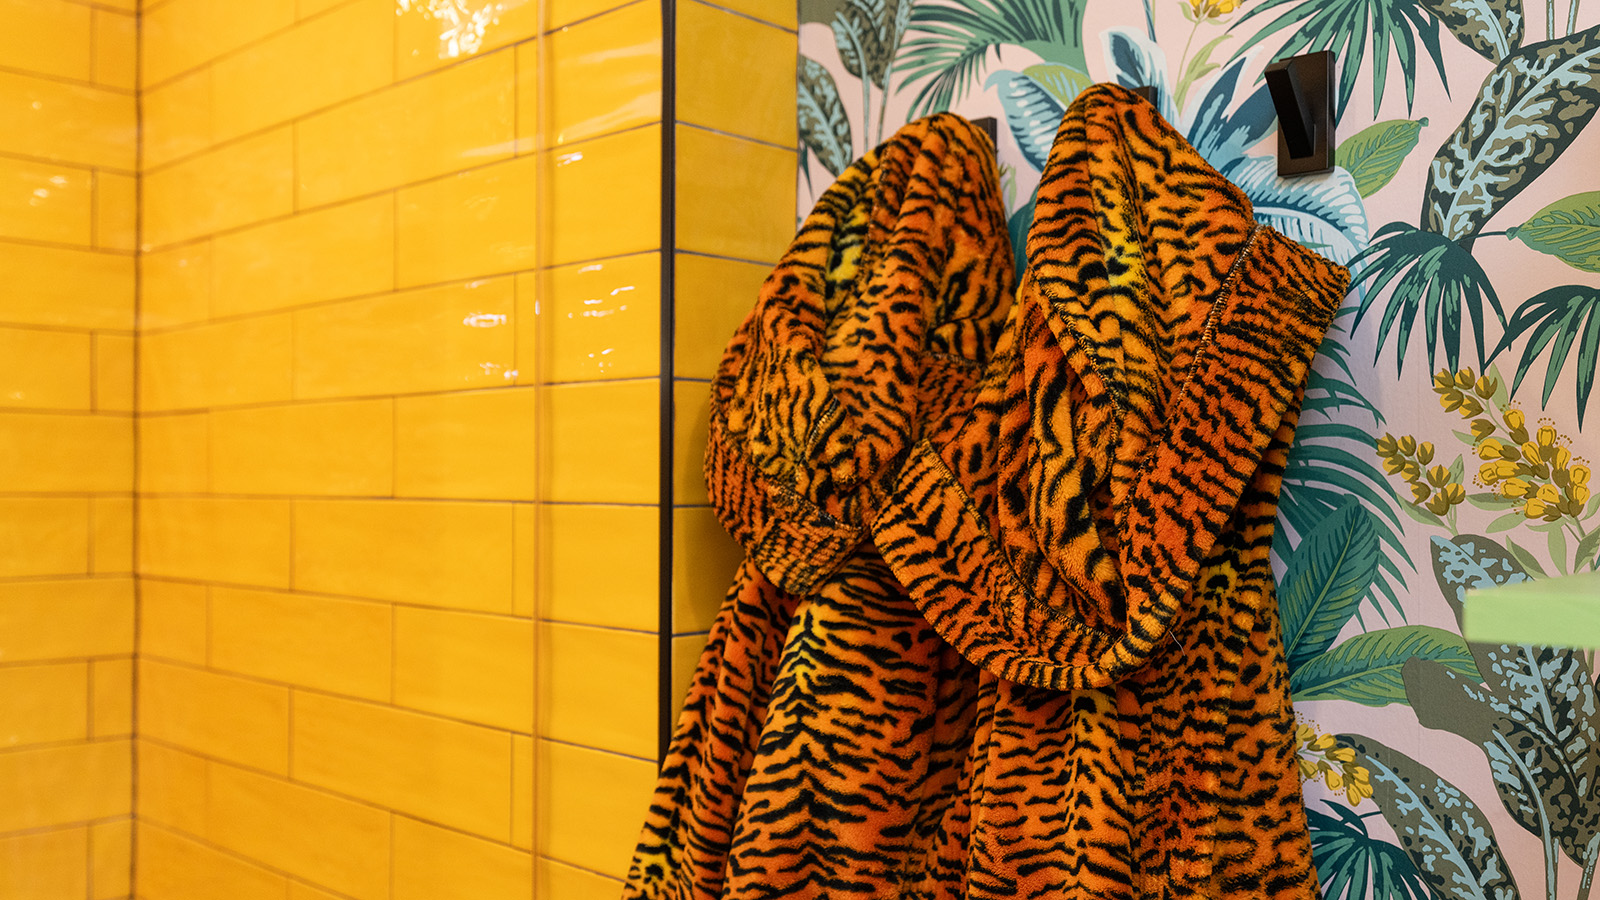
(1492, 28)
(1527, 113)
(1373, 154)
(1568, 229)
(1366, 668)
(1354, 865)
(1328, 575)
(1563, 320)
(824, 127)
(1446, 835)
(1432, 275)
(947, 44)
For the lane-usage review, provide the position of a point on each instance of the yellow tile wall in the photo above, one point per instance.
(67, 207)
(400, 374)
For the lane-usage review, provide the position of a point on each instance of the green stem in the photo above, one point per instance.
(866, 108)
(1183, 79)
(1582, 534)
(1572, 17)
(1550, 19)
(1589, 855)
(1484, 234)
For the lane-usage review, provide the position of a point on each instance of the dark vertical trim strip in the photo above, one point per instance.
(669, 245)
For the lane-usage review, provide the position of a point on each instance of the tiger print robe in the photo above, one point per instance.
(821, 737)
(1089, 527)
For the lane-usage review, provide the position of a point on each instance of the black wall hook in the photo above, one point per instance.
(1302, 93)
(990, 126)
(1148, 92)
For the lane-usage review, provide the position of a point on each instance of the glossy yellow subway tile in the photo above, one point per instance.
(319, 62)
(69, 123)
(110, 859)
(45, 369)
(116, 50)
(454, 555)
(111, 531)
(172, 787)
(341, 646)
(48, 37)
(344, 448)
(427, 42)
(522, 791)
(465, 665)
(231, 541)
(736, 74)
(174, 453)
(602, 319)
(456, 337)
(568, 12)
(590, 805)
(785, 15)
(468, 445)
(43, 704)
(525, 559)
(232, 185)
(482, 222)
(734, 196)
(64, 784)
(113, 372)
(342, 251)
(305, 9)
(457, 119)
(605, 194)
(173, 867)
(559, 881)
(112, 707)
(605, 74)
(431, 863)
(63, 452)
(713, 297)
(531, 81)
(686, 651)
(309, 834)
(226, 364)
(44, 865)
(602, 442)
(598, 565)
(298, 891)
(180, 35)
(60, 286)
(706, 559)
(220, 716)
(116, 209)
(175, 285)
(175, 118)
(617, 712)
(65, 619)
(172, 620)
(43, 536)
(447, 772)
(42, 201)
(691, 411)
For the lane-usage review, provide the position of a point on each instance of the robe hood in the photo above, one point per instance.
(1160, 336)
(887, 304)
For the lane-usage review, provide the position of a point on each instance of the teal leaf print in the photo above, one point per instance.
(1559, 319)
(1527, 113)
(1432, 276)
(1366, 669)
(1135, 61)
(1327, 577)
(1221, 136)
(1032, 112)
(1492, 28)
(1018, 226)
(1343, 26)
(947, 44)
(1568, 229)
(824, 127)
(1354, 865)
(1373, 154)
(1322, 212)
(1444, 833)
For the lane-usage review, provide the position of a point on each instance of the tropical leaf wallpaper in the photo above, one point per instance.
(1443, 446)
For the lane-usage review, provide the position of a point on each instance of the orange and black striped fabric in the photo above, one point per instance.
(814, 732)
(1006, 627)
(1096, 535)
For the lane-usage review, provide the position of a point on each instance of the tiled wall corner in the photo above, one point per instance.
(735, 165)
(67, 188)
